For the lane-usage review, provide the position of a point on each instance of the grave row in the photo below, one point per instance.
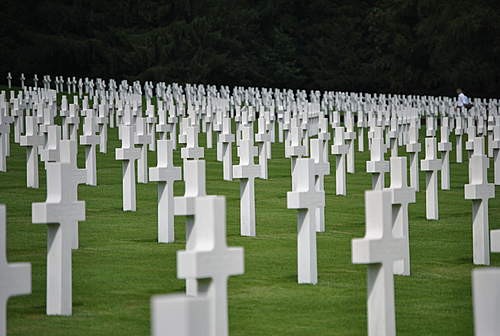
(177, 116)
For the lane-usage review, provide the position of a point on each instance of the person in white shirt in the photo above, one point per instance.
(463, 100)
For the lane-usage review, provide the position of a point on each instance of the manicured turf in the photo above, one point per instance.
(119, 265)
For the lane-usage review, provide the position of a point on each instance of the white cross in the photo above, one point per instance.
(459, 131)
(194, 185)
(181, 315)
(393, 136)
(102, 121)
(165, 173)
(226, 138)
(142, 138)
(401, 196)
(151, 122)
(321, 168)
(414, 148)
(15, 278)
(32, 140)
(431, 165)
(379, 249)
(247, 171)
(495, 144)
(192, 151)
(340, 149)
(486, 303)
(306, 199)
(479, 191)
(89, 140)
(262, 138)
(4, 138)
(62, 211)
(51, 151)
(349, 136)
(73, 122)
(471, 134)
(293, 147)
(377, 166)
(445, 148)
(210, 262)
(128, 153)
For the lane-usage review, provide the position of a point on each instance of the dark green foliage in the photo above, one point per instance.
(404, 46)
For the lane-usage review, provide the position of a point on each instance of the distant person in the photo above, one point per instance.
(463, 100)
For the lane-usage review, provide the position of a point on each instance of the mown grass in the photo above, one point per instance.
(119, 265)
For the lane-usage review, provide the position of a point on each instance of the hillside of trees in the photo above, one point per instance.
(399, 46)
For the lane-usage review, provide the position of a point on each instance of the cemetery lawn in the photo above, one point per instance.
(120, 265)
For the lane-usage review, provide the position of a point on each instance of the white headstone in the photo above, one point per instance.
(340, 150)
(226, 138)
(486, 301)
(401, 196)
(445, 148)
(128, 153)
(377, 166)
(479, 191)
(247, 171)
(15, 278)
(306, 199)
(32, 140)
(61, 211)
(89, 140)
(379, 249)
(165, 173)
(496, 153)
(210, 262)
(142, 138)
(431, 165)
(321, 168)
(414, 148)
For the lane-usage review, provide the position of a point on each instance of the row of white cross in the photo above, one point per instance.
(385, 247)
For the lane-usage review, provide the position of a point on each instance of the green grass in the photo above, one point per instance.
(119, 265)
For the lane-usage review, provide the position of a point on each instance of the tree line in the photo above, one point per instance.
(399, 46)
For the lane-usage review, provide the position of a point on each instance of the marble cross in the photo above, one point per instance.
(51, 151)
(192, 151)
(306, 199)
(128, 153)
(401, 196)
(471, 135)
(379, 249)
(340, 149)
(459, 131)
(142, 138)
(377, 166)
(321, 168)
(431, 165)
(479, 191)
(247, 171)
(486, 303)
(32, 140)
(89, 140)
(15, 278)
(165, 173)
(495, 144)
(4, 137)
(444, 147)
(414, 148)
(102, 121)
(294, 148)
(61, 211)
(262, 138)
(350, 136)
(226, 138)
(210, 263)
